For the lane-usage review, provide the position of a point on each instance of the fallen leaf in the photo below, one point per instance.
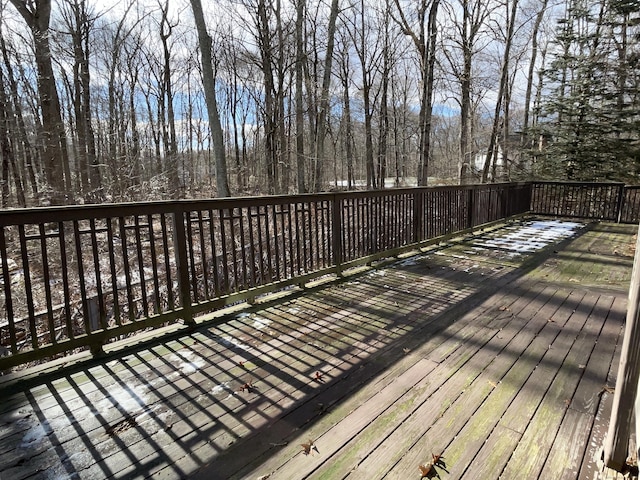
(406, 350)
(425, 470)
(318, 376)
(504, 309)
(307, 447)
(437, 458)
(248, 386)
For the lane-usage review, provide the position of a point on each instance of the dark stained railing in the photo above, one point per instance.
(80, 277)
(599, 201)
(630, 208)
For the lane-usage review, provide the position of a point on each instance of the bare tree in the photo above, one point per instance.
(21, 144)
(533, 58)
(460, 50)
(166, 101)
(37, 15)
(79, 20)
(502, 89)
(6, 152)
(299, 112)
(324, 96)
(423, 31)
(208, 74)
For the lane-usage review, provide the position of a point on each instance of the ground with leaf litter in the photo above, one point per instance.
(491, 356)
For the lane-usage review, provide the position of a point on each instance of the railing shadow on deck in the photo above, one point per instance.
(84, 277)
(81, 277)
(188, 418)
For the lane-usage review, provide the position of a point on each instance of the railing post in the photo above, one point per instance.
(626, 389)
(470, 207)
(336, 233)
(418, 216)
(180, 252)
(506, 193)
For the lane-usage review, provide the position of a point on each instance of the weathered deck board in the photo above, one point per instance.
(494, 356)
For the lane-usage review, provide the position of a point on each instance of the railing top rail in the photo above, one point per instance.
(576, 183)
(20, 216)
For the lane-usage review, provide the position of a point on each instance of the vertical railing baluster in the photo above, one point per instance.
(171, 301)
(276, 246)
(8, 298)
(234, 249)
(64, 270)
(190, 248)
(113, 271)
(127, 270)
(81, 277)
(27, 286)
(619, 202)
(215, 257)
(337, 231)
(252, 247)
(102, 313)
(47, 283)
(141, 275)
(243, 248)
(203, 256)
(157, 308)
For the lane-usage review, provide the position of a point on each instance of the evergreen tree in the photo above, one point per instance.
(590, 117)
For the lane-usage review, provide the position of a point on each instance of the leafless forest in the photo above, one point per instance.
(156, 99)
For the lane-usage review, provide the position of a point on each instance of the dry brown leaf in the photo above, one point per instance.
(425, 469)
(248, 386)
(307, 447)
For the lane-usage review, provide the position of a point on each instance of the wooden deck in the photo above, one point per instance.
(499, 357)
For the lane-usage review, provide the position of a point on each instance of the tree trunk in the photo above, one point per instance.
(501, 92)
(20, 132)
(465, 99)
(171, 144)
(37, 15)
(324, 97)
(425, 43)
(222, 182)
(299, 74)
(532, 66)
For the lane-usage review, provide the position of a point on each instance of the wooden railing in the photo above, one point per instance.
(80, 277)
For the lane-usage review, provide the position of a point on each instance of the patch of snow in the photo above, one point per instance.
(260, 322)
(187, 361)
(533, 236)
(231, 342)
(130, 399)
(35, 435)
(221, 389)
(409, 262)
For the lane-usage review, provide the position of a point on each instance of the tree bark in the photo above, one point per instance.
(324, 97)
(37, 15)
(299, 112)
(502, 89)
(222, 182)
